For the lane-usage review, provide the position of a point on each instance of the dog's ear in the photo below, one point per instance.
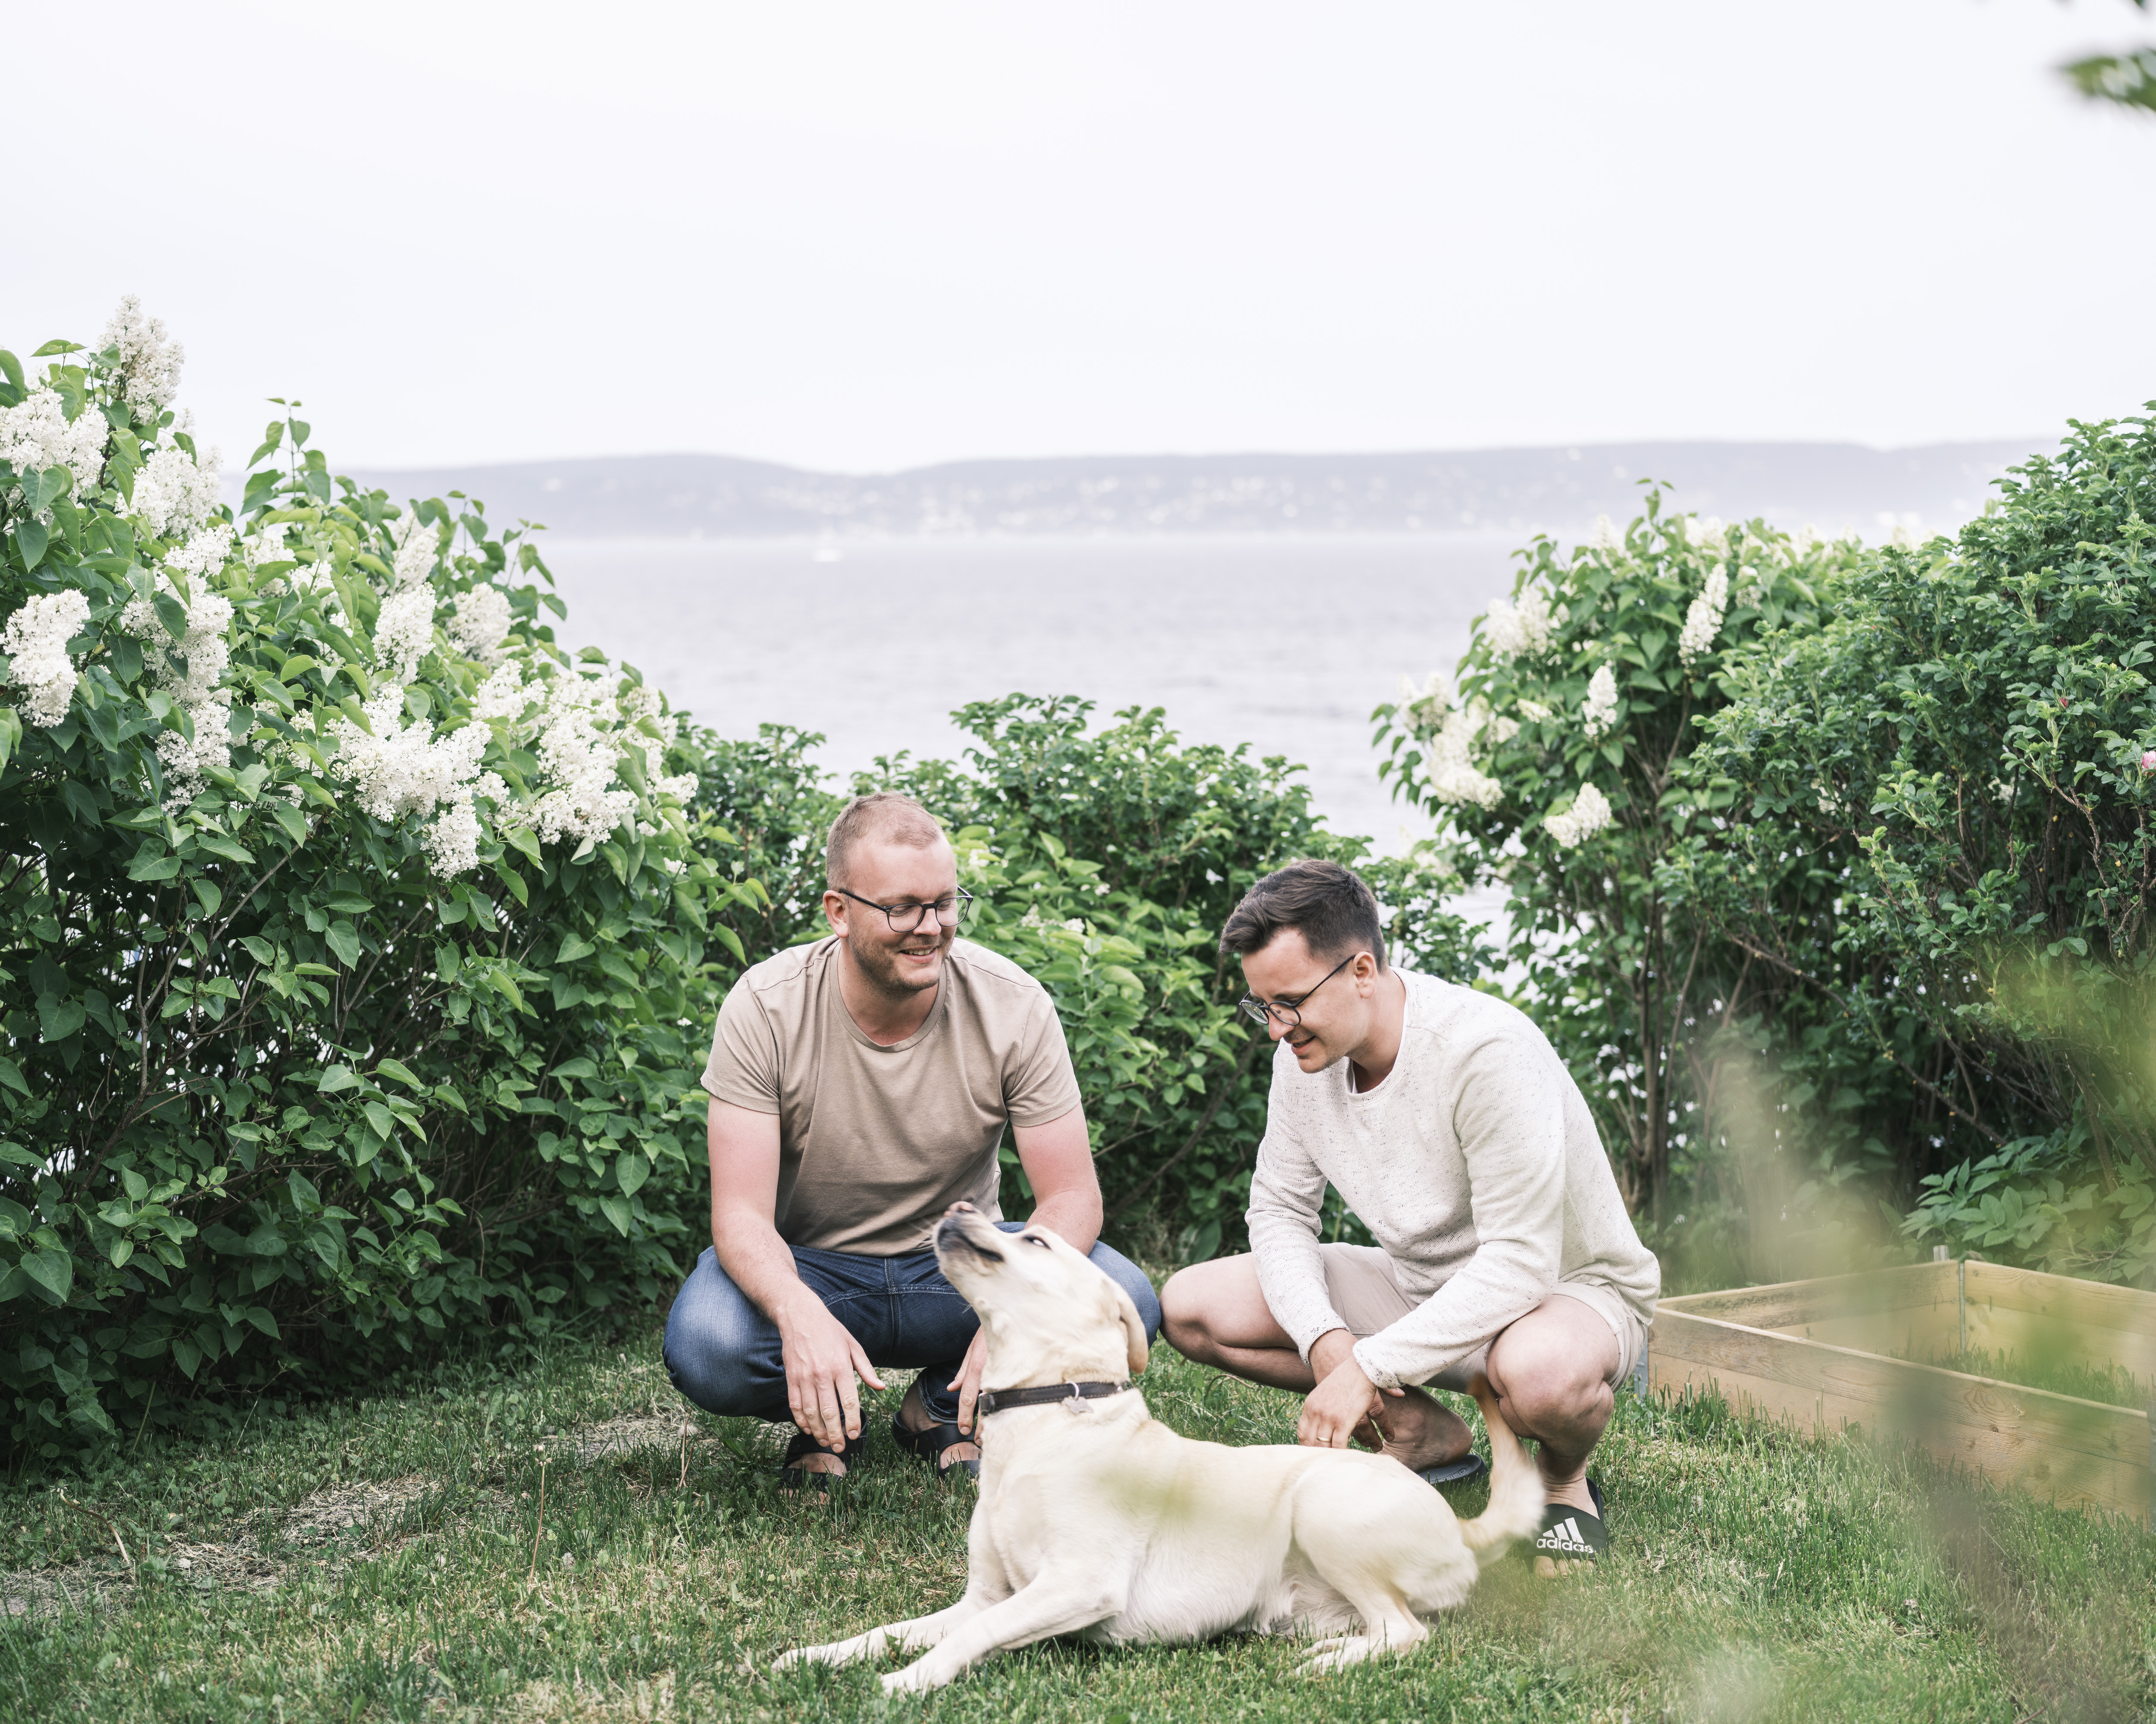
(1134, 1328)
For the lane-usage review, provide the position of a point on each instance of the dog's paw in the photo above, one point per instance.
(909, 1680)
(800, 1655)
(1335, 1654)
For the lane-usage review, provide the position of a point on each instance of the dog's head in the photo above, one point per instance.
(1050, 1316)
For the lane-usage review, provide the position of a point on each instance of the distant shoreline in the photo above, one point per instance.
(1466, 494)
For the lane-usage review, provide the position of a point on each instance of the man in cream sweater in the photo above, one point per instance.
(1448, 1125)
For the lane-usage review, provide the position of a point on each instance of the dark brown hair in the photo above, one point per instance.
(1335, 911)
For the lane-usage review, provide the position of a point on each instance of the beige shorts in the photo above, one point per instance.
(1358, 1279)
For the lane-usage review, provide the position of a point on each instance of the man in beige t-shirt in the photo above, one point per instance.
(860, 1086)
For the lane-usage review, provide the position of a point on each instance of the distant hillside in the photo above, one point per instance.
(1833, 486)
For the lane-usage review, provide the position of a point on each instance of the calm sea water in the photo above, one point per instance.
(1285, 644)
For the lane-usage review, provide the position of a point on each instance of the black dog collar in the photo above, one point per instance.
(1000, 1400)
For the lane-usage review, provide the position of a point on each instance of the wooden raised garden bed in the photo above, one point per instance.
(1836, 1352)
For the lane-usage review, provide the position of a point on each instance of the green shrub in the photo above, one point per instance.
(1966, 741)
(353, 938)
(1559, 771)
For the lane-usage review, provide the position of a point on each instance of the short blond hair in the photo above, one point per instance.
(885, 815)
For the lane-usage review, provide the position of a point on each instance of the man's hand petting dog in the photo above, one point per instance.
(1346, 1404)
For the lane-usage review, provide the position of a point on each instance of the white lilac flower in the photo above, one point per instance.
(1424, 707)
(1589, 814)
(1806, 540)
(1606, 538)
(173, 494)
(192, 671)
(1522, 631)
(578, 761)
(419, 543)
(1534, 710)
(1706, 533)
(1599, 711)
(206, 551)
(482, 623)
(404, 770)
(1452, 774)
(1503, 730)
(265, 545)
(684, 785)
(36, 434)
(1703, 621)
(1904, 536)
(35, 639)
(149, 365)
(404, 630)
(503, 695)
(453, 840)
(640, 704)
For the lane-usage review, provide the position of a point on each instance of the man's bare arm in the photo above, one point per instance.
(823, 1359)
(1058, 1159)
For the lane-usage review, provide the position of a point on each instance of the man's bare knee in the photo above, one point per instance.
(1182, 1316)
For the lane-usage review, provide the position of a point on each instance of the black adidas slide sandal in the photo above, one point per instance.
(1470, 1465)
(1570, 1534)
(930, 1442)
(793, 1475)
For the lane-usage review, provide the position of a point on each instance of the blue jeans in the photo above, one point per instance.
(724, 1354)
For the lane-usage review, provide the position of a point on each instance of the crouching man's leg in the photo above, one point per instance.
(1215, 1312)
(721, 1351)
(1552, 1372)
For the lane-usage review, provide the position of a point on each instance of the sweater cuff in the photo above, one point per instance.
(1379, 1374)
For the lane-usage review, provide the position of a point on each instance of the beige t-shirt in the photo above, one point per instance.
(875, 1143)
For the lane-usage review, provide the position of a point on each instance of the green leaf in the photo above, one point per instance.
(402, 1073)
(343, 939)
(55, 1272)
(11, 1075)
(30, 542)
(381, 1119)
(12, 366)
(171, 613)
(630, 1170)
(337, 1077)
(263, 1321)
(59, 1019)
(579, 1068)
(151, 864)
(574, 947)
(618, 1212)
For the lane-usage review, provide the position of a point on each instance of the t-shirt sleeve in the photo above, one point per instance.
(743, 1068)
(1039, 1082)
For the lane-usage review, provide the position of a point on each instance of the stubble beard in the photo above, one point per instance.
(879, 965)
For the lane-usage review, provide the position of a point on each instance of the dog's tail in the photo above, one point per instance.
(1516, 1487)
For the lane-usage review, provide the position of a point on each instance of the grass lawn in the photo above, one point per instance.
(385, 1559)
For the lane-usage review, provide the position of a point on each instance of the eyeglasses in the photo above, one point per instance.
(905, 919)
(1288, 1013)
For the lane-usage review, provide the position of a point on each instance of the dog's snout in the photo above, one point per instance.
(953, 1234)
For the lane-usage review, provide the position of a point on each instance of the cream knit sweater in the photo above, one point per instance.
(1475, 1164)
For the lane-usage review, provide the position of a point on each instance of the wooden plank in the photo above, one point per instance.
(1928, 1334)
(2073, 1451)
(1831, 1298)
(2024, 1311)
(2025, 1334)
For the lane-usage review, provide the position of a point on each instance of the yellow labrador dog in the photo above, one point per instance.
(1097, 1520)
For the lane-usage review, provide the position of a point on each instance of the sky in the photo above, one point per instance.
(861, 236)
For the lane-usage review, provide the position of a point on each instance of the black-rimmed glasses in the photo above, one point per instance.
(1288, 1013)
(906, 918)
